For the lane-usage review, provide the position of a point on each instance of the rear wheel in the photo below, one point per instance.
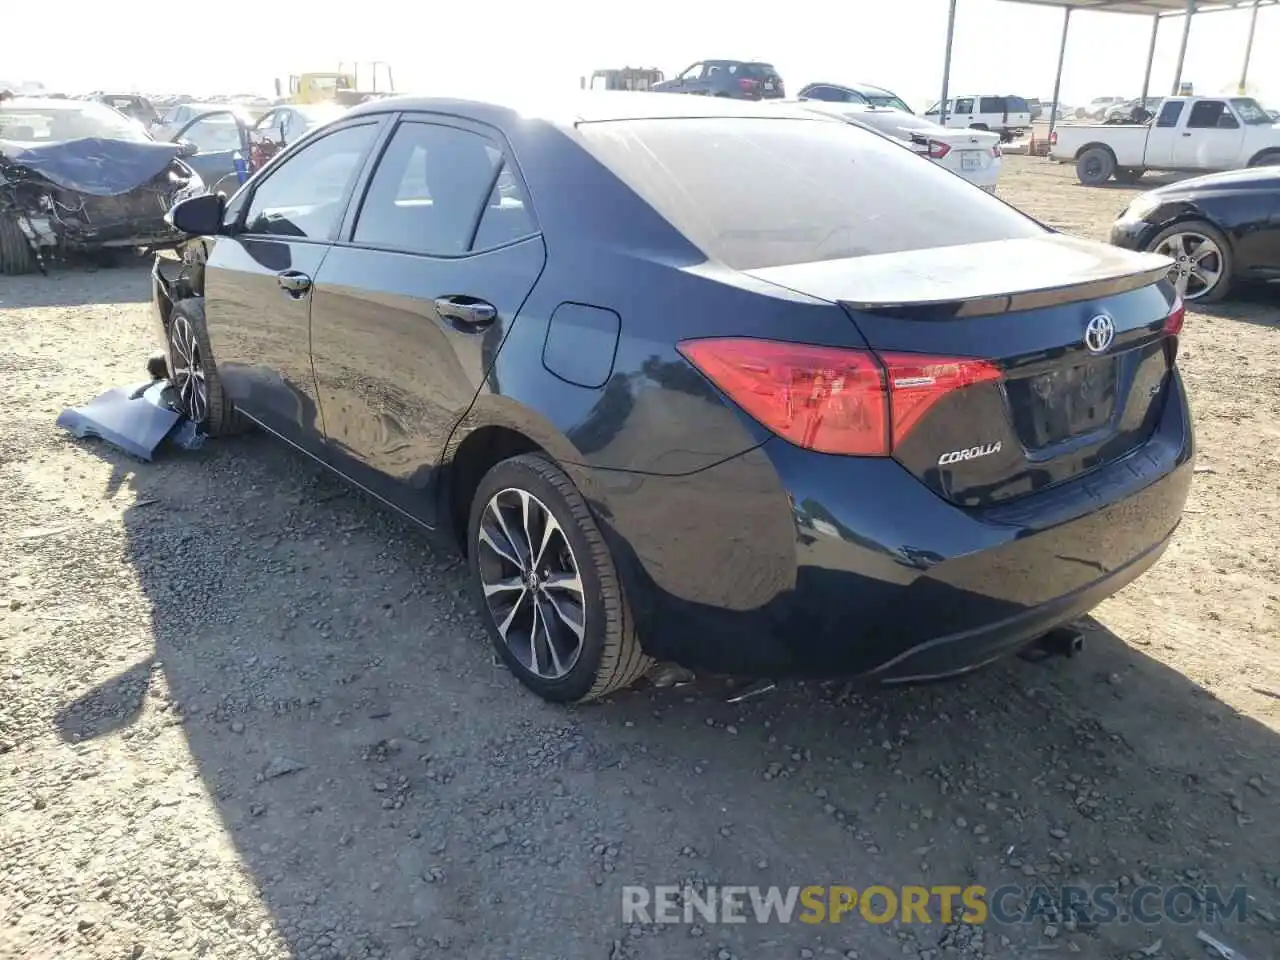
(195, 373)
(1095, 166)
(547, 585)
(16, 255)
(1202, 260)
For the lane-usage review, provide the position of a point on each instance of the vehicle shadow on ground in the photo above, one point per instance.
(1257, 303)
(394, 794)
(74, 285)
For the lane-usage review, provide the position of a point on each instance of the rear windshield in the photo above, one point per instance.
(758, 70)
(755, 192)
(885, 100)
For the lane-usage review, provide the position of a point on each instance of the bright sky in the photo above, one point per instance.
(481, 48)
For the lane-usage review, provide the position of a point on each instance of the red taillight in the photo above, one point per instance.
(938, 150)
(918, 382)
(1173, 322)
(1053, 139)
(745, 84)
(830, 399)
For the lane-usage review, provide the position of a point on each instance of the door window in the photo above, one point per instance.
(304, 197)
(1208, 114)
(1169, 113)
(964, 106)
(693, 73)
(428, 194)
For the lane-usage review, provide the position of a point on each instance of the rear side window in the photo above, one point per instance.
(428, 194)
(1169, 113)
(991, 105)
(759, 192)
(1017, 105)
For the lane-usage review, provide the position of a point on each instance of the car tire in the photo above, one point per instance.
(16, 255)
(509, 511)
(1129, 175)
(194, 373)
(1268, 158)
(1209, 232)
(1095, 166)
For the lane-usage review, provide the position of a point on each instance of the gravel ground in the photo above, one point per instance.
(244, 712)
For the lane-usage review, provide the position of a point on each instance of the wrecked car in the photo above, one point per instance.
(76, 176)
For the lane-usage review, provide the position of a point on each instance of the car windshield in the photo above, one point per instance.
(65, 121)
(755, 192)
(1251, 112)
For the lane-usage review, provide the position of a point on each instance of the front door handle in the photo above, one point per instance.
(294, 283)
(466, 313)
(1186, 134)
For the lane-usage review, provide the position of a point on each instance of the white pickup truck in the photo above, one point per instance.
(1186, 134)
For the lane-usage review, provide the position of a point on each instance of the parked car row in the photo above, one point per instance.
(670, 408)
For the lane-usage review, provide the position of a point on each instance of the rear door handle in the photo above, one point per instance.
(294, 282)
(466, 313)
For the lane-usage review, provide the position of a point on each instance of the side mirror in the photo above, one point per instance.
(187, 149)
(199, 216)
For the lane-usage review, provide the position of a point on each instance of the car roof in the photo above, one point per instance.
(575, 107)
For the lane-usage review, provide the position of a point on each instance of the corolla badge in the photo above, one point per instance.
(1099, 332)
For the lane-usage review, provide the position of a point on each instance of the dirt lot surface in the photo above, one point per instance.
(245, 712)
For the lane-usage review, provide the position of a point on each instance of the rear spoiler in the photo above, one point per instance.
(971, 280)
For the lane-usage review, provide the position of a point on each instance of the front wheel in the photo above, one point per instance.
(1202, 260)
(194, 373)
(547, 585)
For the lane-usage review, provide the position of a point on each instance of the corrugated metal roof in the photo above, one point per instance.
(1160, 8)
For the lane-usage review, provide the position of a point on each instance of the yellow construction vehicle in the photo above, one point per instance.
(340, 86)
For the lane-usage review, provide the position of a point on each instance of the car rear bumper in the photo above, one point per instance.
(786, 562)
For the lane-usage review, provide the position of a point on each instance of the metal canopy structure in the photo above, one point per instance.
(1157, 10)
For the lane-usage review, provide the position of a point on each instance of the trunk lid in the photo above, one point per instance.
(1076, 328)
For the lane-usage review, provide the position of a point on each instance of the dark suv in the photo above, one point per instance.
(739, 79)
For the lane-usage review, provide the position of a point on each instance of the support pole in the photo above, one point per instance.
(1182, 48)
(1057, 77)
(1151, 57)
(946, 65)
(1248, 49)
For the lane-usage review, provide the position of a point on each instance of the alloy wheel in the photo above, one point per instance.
(1197, 263)
(188, 370)
(532, 584)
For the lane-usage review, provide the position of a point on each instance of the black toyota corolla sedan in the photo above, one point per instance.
(698, 380)
(1217, 229)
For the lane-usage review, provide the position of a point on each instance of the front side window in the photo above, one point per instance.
(441, 191)
(693, 73)
(964, 106)
(1206, 114)
(304, 197)
(759, 192)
